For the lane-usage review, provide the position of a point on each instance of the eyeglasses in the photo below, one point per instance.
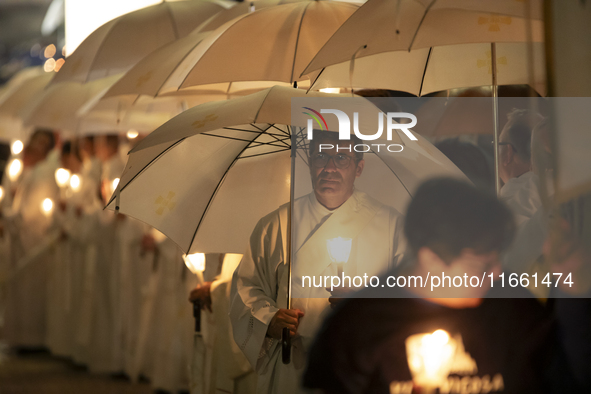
(341, 161)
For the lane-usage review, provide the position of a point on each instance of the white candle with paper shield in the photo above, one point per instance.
(339, 250)
(195, 262)
(430, 358)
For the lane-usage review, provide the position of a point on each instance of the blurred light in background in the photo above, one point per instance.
(75, 182)
(47, 206)
(331, 90)
(131, 134)
(62, 177)
(58, 64)
(49, 65)
(49, 51)
(1, 193)
(85, 16)
(17, 147)
(14, 169)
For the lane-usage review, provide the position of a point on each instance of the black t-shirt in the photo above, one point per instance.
(509, 345)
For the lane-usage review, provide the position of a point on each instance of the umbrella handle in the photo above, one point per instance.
(285, 346)
(197, 315)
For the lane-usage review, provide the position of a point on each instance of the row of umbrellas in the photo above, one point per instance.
(147, 66)
(129, 73)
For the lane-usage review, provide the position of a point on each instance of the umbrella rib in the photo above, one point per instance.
(248, 131)
(262, 154)
(172, 21)
(243, 140)
(316, 79)
(100, 48)
(272, 134)
(297, 42)
(420, 23)
(176, 67)
(144, 168)
(217, 188)
(393, 172)
(425, 71)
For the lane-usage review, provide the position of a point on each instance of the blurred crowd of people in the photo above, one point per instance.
(100, 288)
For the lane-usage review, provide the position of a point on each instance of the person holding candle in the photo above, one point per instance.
(488, 340)
(334, 209)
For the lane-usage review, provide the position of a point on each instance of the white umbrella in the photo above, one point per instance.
(273, 44)
(239, 147)
(151, 73)
(403, 25)
(437, 45)
(57, 106)
(117, 45)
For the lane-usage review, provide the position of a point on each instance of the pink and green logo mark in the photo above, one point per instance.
(316, 115)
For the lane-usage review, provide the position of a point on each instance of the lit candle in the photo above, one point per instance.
(75, 183)
(47, 207)
(17, 147)
(14, 169)
(430, 358)
(62, 177)
(339, 250)
(195, 262)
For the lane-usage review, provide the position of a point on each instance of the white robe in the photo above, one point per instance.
(259, 285)
(522, 196)
(27, 292)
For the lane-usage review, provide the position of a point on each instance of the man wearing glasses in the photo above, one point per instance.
(259, 290)
(520, 190)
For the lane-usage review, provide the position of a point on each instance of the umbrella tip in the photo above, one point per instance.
(295, 84)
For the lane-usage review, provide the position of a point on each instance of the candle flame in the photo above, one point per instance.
(339, 249)
(195, 262)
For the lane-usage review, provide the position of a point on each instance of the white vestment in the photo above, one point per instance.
(259, 285)
(522, 196)
(27, 291)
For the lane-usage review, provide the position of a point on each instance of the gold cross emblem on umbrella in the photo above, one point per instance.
(164, 203)
(488, 62)
(494, 21)
(202, 122)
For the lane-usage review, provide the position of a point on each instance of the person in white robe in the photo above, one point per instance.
(230, 371)
(25, 323)
(521, 190)
(258, 311)
(106, 348)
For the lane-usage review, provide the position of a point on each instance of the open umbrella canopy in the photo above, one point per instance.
(24, 87)
(150, 75)
(221, 161)
(428, 70)
(117, 45)
(57, 106)
(383, 26)
(272, 44)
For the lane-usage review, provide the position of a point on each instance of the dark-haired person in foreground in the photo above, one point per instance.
(504, 345)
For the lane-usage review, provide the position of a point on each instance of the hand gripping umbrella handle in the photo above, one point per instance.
(197, 315)
(285, 346)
